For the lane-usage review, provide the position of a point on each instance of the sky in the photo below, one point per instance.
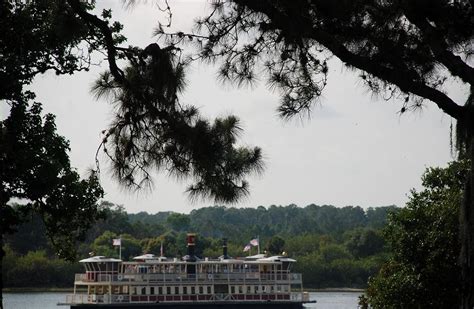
(355, 149)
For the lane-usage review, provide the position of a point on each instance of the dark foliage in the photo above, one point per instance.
(424, 271)
(42, 35)
(35, 168)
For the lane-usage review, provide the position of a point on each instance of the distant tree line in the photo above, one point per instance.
(335, 247)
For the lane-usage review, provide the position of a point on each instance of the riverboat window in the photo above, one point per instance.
(255, 288)
(152, 290)
(241, 289)
(143, 290)
(201, 290)
(209, 290)
(160, 290)
(193, 290)
(168, 290)
(249, 289)
(232, 289)
(134, 290)
(185, 290)
(176, 289)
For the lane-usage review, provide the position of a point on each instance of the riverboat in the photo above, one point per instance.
(159, 282)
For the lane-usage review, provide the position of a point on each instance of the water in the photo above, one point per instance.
(325, 300)
(334, 300)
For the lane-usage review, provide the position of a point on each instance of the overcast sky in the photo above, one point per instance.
(355, 149)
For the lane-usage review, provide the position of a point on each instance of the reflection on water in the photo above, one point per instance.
(325, 300)
(334, 300)
(33, 300)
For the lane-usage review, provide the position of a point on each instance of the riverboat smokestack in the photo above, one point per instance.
(191, 237)
(190, 258)
(225, 256)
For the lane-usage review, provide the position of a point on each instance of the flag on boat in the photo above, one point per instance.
(116, 242)
(247, 247)
(254, 242)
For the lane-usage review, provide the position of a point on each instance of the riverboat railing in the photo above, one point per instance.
(294, 278)
(75, 299)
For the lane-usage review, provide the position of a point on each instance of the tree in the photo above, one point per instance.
(424, 271)
(154, 131)
(37, 36)
(276, 245)
(402, 49)
(102, 245)
(178, 222)
(41, 35)
(364, 242)
(35, 169)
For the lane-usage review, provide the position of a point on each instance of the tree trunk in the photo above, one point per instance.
(467, 235)
(2, 254)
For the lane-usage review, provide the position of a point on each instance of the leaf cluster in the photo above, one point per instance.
(423, 237)
(153, 131)
(42, 35)
(35, 170)
(404, 49)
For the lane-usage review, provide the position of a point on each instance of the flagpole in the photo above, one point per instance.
(120, 248)
(258, 247)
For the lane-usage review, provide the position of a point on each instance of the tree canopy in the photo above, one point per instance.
(35, 171)
(424, 269)
(42, 35)
(402, 49)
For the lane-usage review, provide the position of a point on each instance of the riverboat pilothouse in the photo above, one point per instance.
(155, 282)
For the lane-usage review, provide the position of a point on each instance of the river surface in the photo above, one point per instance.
(325, 300)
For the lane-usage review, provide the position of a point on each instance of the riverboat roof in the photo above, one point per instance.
(266, 260)
(277, 259)
(99, 259)
(148, 256)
